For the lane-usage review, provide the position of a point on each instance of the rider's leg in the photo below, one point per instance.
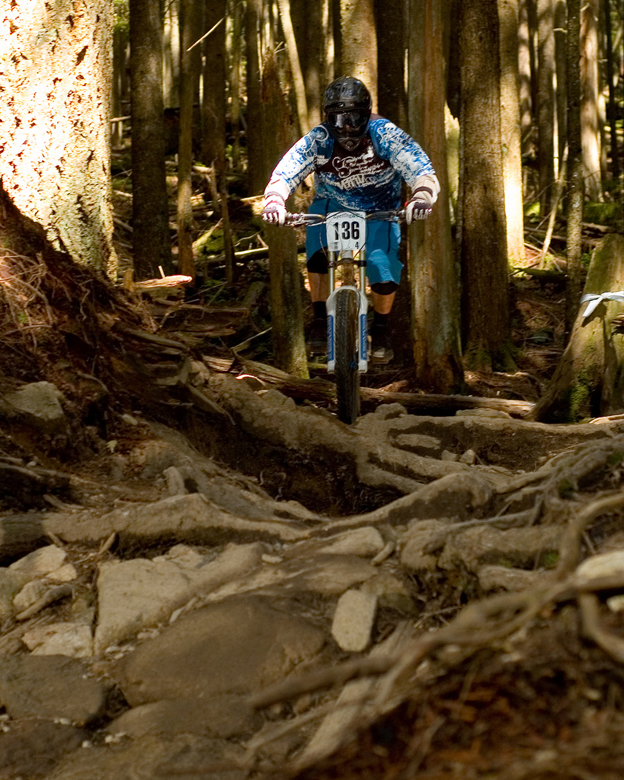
(319, 286)
(384, 274)
(319, 289)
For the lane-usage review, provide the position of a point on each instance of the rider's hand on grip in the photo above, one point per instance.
(416, 208)
(274, 210)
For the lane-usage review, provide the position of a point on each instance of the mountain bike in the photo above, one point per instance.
(347, 305)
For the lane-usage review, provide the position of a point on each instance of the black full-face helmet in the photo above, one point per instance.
(347, 107)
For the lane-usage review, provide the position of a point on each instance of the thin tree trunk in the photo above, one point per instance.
(359, 43)
(188, 33)
(235, 81)
(314, 69)
(560, 70)
(151, 242)
(485, 292)
(257, 174)
(575, 167)
(120, 45)
(589, 99)
(295, 66)
(171, 54)
(214, 81)
(510, 130)
(286, 282)
(612, 111)
(435, 302)
(524, 67)
(546, 102)
(391, 61)
(328, 37)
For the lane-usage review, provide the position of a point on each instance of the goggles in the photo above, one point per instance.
(354, 120)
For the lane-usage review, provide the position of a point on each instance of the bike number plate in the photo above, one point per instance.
(346, 230)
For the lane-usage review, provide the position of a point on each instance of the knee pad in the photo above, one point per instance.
(318, 263)
(384, 288)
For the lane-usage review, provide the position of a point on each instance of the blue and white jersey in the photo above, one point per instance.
(367, 179)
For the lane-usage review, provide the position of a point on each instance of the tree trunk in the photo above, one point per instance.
(56, 82)
(313, 42)
(435, 304)
(510, 130)
(391, 60)
(545, 103)
(286, 300)
(359, 43)
(575, 179)
(524, 67)
(560, 70)
(485, 293)
(589, 99)
(188, 71)
(257, 174)
(171, 54)
(612, 110)
(295, 66)
(120, 48)
(151, 243)
(589, 379)
(235, 81)
(214, 80)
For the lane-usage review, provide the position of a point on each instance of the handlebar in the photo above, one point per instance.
(299, 219)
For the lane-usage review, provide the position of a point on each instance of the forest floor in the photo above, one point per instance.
(495, 656)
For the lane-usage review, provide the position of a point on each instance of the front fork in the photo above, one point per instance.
(360, 288)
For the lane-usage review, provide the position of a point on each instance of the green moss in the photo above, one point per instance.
(603, 214)
(615, 458)
(549, 559)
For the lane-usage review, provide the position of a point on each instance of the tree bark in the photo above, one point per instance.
(485, 291)
(610, 72)
(214, 81)
(560, 70)
(56, 82)
(171, 54)
(435, 298)
(575, 179)
(151, 243)
(286, 283)
(257, 174)
(510, 130)
(391, 60)
(359, 43)
(295, 66)
(524, 67)
(589, 381)
(546, 103)
(590, 132)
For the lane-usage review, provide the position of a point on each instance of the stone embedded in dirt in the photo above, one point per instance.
(469, 457)
(72, 639)
(49, 687)
(364, 542)
(236, 646)
(40, 562)
(504, 578)
(419, 443)
(390, 592)
(492, 413)
(517, 547)
(11, 583)
(139, 593)
(353, 620)
(65, 573)
(175, 481)
(38, 405)
(30, 594)
(423, 542)
(219, 716)
(607, 564)
(32, 747)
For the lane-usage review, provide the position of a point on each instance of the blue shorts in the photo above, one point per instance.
(382, 244)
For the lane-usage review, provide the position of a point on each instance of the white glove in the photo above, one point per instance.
(424, 195)
(274, 209)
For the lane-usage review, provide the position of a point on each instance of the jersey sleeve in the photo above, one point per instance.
(300, 160)
(404, 154)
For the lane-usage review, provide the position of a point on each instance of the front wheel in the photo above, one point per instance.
(346, 366)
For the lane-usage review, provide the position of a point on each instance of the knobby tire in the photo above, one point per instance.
(346, 366)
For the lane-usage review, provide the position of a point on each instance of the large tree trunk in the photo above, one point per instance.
(510, 130)
(359, 43)
(435, 304)
(485, 289)
(589, 379)
(151, 243)
(56, 83)
(575, 178)
(295, 66)
(391, 60)
(589, 99)
(286, 300)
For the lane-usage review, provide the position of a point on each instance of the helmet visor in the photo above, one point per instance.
(351, 123)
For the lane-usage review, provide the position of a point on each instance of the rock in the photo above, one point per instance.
(38, 405)
(449, 457)
(503, 578)
(493, 413)
(139, 593)
(220, 716)
(71, 639)
(66, 573)
(390, 592)
(364, 542)
(40, 562)
(423, 542)
(469, 457)
(175, 481)
(32, 748)
(353, 620)
(235, 646)
(49, 687)
(30, 594)
(607, 564)
(390, 411)
(419, 443)
(11, 583)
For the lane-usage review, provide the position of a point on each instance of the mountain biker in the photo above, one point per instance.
(358, 160)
